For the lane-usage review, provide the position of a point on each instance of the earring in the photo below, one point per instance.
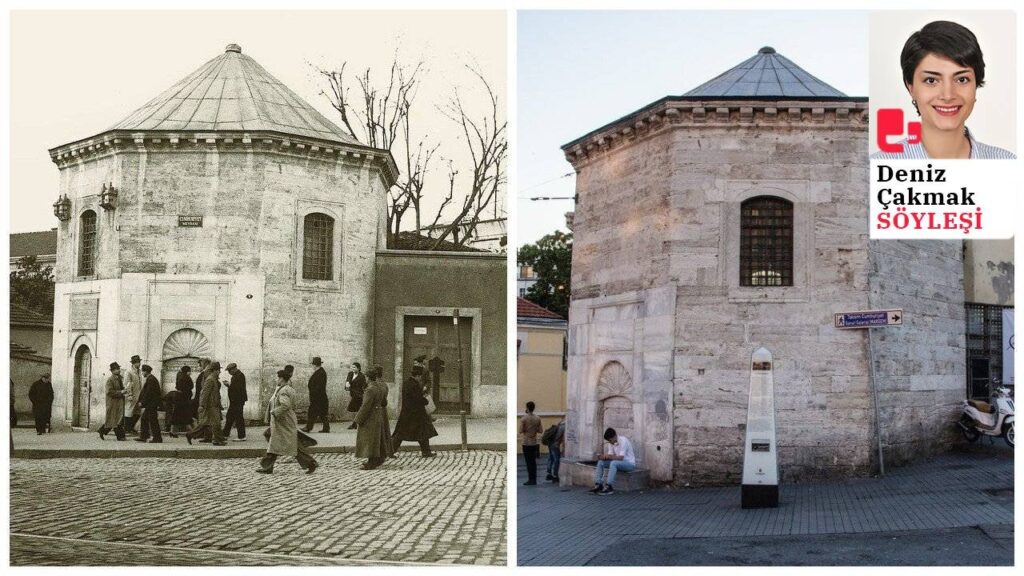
(916, 109)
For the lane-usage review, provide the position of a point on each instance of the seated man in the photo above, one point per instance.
(618, 455)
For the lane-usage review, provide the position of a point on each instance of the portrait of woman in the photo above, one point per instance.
(943, 68)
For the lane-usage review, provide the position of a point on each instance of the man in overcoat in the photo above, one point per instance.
(132, 387)
(284, 426)
(115, 404)
(209, 408)
(413, 421)
(355, 383)
(41, 395)
(149, 401)
(237, 397)
(318, 405)
(183, 412)
(373, 439)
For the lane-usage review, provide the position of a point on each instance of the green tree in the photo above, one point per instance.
(551, 260)
(32, 286)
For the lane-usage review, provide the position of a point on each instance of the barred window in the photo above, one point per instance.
(984, 348)
(87, 245)
(766, 242)
(317, 255)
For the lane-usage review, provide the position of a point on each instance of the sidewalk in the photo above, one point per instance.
(970, 488)
(482, 434)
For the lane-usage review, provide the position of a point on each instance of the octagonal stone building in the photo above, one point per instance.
(733, 217)
(244, 228)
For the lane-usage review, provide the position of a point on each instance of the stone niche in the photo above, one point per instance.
(615, 403)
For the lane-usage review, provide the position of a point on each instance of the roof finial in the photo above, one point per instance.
(766, 50)
(233, 48)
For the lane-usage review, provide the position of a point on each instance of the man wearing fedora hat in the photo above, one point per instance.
(132, 389)
(318, 403)
(41, 395)
(209, 407)
(115, 404)
(149, 400)
(237, 398)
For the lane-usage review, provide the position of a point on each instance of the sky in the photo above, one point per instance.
(75, 74)
(577, 71)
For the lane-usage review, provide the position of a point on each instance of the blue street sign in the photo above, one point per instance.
(869, 318)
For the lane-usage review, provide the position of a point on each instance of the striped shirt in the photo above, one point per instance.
(979, 151)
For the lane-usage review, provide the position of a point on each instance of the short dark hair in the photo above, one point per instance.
(946, 39)
(530, 406)
(147, 368)
(357, 365)
(609, 434)
(284, 374)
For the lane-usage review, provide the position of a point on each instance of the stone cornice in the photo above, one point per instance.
(227, 142)
(670, 113)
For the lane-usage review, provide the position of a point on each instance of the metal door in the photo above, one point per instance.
(434, 337)
(82, 388)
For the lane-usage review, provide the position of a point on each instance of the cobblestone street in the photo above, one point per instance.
(159, 511)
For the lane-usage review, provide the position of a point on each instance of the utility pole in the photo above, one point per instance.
(462, 387)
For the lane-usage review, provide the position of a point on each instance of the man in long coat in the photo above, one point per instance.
(132, 388)
(181, 420)
(115, 404)
(209, 408)
(413, 421)
(41, 395)
(318, 405)
(373, 439)
(149, 401)
(237, 397)
(284, 429)
(355, 383)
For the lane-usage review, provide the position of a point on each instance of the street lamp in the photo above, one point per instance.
(62, 208)
(108, 197)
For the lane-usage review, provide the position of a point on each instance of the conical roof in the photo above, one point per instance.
(766, 74)
(232, 92)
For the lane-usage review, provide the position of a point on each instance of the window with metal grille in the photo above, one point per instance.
(87, 246)
(984, 348)
(317, 255)
(766, 242)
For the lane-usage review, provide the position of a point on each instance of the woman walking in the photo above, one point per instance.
(413, 421)
(373, 439)
(284, 429)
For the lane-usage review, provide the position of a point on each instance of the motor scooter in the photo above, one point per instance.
(993, 418)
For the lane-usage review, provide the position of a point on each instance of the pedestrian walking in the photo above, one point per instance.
(182, 415)
(237, 397)
(203, 364)
(555, 448)
(115, 404)
(355, 383)
(210, 408)
(149, 401)
(132, 388)
(318, 404)
(413, 421)
(41, 395)
(373, 439)
(529, 428)
(283, 431)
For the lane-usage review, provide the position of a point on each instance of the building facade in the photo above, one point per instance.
(540, 362)
(734, 217)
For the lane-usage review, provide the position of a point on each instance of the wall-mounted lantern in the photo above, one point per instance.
(108, 197)
(62, 208)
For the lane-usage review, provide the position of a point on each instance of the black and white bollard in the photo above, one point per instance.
(760, 488)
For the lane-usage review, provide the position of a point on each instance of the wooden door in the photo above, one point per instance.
(82, 388)
(434, 337)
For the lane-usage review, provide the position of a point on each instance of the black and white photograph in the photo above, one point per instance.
(258, 288)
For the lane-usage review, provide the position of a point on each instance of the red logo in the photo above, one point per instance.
(890, 123)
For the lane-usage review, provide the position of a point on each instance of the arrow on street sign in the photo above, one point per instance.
(869, 318)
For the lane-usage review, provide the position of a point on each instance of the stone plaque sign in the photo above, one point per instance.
(190, 221)
(85, 314)
(760, 487)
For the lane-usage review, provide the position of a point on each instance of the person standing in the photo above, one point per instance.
(373, 439)
(149, 401)
(203, 364)
(555, 448)
(355, 383)
(413, 421)
(529, 427)
(237, 397)
(284, 435)
(209, 408)
(41, 395)
(183, 413)
(115, 404)
(318, 405)
(132, 388)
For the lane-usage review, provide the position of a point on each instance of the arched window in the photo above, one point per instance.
(317, 254)
(87, 245)
(766, 242)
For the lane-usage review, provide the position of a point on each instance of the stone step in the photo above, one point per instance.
(581, 473)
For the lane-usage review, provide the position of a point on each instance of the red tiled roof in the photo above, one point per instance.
(34, 243)
(21, 316)
(527, 309)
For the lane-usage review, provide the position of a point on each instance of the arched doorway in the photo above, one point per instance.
(183, 348)
(615, 404)
(82, 388)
